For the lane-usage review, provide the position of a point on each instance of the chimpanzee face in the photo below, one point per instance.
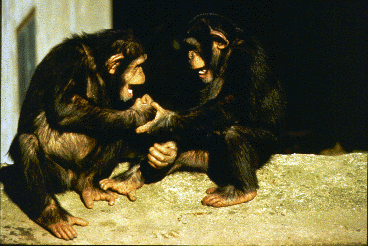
(132, 75)
(204, 53)
(196, 60)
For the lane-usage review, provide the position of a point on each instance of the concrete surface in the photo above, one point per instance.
(303, 199)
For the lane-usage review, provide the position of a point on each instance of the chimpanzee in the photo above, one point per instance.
(74, 129)
(232, 130)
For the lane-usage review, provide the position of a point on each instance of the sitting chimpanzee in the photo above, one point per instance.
(231, 131)
(76, 124)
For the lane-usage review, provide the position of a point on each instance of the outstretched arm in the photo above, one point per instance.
(211, 117)
(80, 115)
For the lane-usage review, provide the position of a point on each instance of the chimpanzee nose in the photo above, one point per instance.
(195, 60)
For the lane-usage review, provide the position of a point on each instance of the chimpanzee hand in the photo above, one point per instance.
(161, 114)
(144, 103)
(161, 155)
(144, 108)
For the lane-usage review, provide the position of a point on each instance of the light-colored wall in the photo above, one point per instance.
(55, 20)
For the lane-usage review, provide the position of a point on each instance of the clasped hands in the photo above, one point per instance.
(160, 155)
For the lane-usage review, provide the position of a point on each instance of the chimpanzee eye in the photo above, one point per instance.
(218, 40)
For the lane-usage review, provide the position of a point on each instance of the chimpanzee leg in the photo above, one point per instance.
(139, 174)
(234, 168)
(126, 183)
(134, 150)
(40, 183)
(192, 159)
(99, 166)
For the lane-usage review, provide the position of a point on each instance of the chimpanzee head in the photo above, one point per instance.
(208, 43)
(125, 65)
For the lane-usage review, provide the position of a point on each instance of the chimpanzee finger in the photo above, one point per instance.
(151, 164)
(70, 232)
(167, 152)
(138, 101)
(171, 144)
(138, 61)
(113, 194)
(156, 163)
(108, 197)
(64, 232)
(158, 152)
(157, 107)
(78, 221)
(146, 99)
(111, 202)
(164, 149)
(112, 197)
(131, 195)
(144, 128)
(56, 233)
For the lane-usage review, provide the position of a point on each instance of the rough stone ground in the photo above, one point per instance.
(303, 199)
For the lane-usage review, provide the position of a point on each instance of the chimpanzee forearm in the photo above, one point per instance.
(81, 115)
(214, 117)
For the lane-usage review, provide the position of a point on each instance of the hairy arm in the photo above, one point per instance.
(211, 117)
(72, 111)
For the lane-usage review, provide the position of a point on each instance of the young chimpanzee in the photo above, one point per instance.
(76, 123)
(231, 131)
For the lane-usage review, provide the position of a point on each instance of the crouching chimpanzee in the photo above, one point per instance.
(232, 130)
(76, 123)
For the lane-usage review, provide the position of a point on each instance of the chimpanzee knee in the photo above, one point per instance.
(28, 156)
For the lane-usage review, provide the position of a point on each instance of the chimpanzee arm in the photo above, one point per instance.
(212, 117)
(73, 112)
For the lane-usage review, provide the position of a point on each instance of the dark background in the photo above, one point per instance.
(319, 50)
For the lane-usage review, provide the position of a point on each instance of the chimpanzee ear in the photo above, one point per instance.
(114, 62)
(223, 43)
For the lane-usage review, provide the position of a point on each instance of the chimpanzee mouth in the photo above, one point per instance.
(130, 90)
(202, 72)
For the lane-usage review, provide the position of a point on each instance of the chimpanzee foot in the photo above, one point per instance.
(227, 196)
(64, 230)
(59, 222)
(126, 184)
(92, 194)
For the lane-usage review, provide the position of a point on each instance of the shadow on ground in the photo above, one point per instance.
(303, 199)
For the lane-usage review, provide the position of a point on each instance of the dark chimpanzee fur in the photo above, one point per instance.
(72, 123)
(231, 131)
